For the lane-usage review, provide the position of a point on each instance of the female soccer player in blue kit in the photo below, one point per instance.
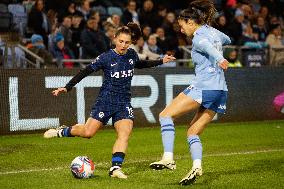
(114, 98)
(206, 94)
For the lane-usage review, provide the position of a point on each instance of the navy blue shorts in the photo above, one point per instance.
(209, 99)
(103, 112)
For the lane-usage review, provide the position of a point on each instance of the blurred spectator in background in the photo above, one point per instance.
(138, 47)
(76, 34)
(61, 52)
(115, 20)
(146, 31)
(69, 10)
(229, 9)
(231, 54)
(221, 24)
(162, 13)
(96, 15)
(147, 15)
(274, 20)
(162, 42)
(37, 21)
(151, 45)
(52, 18)
(85, 9)
(92, 40)
(274, 40)
(248, 13)
(109, 35)
(255, 5)
(130, 14)
(249, 39)
(51, 36)
(261, 28)
(151, 49)
(235, 29)
(263, 12)
(168, 24)
(28, 4)
(65, 30)
(37, 46)
(173, 34)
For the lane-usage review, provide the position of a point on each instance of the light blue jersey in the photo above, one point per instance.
(206, 53)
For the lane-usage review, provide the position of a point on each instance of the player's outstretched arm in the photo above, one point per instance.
(59, 90)
(78, 77)
(205, 46)
(152, 63)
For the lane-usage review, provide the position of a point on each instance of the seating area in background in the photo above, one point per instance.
(255, 28)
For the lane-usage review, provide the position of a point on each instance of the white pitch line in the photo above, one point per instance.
(137, 161)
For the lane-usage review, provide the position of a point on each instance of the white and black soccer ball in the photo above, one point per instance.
(82, 167)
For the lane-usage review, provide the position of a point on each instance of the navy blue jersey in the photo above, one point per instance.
(118, 72)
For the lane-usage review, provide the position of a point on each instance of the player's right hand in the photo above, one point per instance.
(58, 91)
(224, 64)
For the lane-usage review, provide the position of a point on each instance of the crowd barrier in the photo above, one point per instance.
(28, 105)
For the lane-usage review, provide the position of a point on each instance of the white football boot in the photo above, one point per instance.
(51, 133)
(191, 177)
(163, 164)
(116, 172)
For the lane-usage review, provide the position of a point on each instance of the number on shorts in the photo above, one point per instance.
(130, 111)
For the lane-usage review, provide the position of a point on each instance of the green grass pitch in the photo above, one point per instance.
(236, 155)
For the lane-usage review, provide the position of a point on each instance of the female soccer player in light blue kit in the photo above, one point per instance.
(207, 93)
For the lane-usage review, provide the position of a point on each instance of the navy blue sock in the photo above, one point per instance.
(66, 132)
(117, 159)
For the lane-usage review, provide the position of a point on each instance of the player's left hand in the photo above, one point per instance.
(168, 58)
(224, 64)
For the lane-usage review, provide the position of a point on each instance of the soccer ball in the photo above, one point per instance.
(82, 167)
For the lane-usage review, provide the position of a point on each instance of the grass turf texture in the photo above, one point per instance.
(236, 155)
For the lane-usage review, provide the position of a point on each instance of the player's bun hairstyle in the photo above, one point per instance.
(201, 11)
(131, 29)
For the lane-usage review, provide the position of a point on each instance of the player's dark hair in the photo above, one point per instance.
(131, 29)
(201, 11)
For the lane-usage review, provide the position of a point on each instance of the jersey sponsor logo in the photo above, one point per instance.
(211, 69)
(113, 64)
(101, 114)
(222, 107)
(122, 74)
(131, 61)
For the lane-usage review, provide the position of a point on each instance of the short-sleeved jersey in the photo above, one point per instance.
(118, 72)
(206, 54)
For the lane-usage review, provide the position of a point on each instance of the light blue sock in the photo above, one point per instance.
(195, 147)
(168, 133)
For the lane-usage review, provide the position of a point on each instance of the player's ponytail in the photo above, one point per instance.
(201, 11)
(131, 29)
(135, 31)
